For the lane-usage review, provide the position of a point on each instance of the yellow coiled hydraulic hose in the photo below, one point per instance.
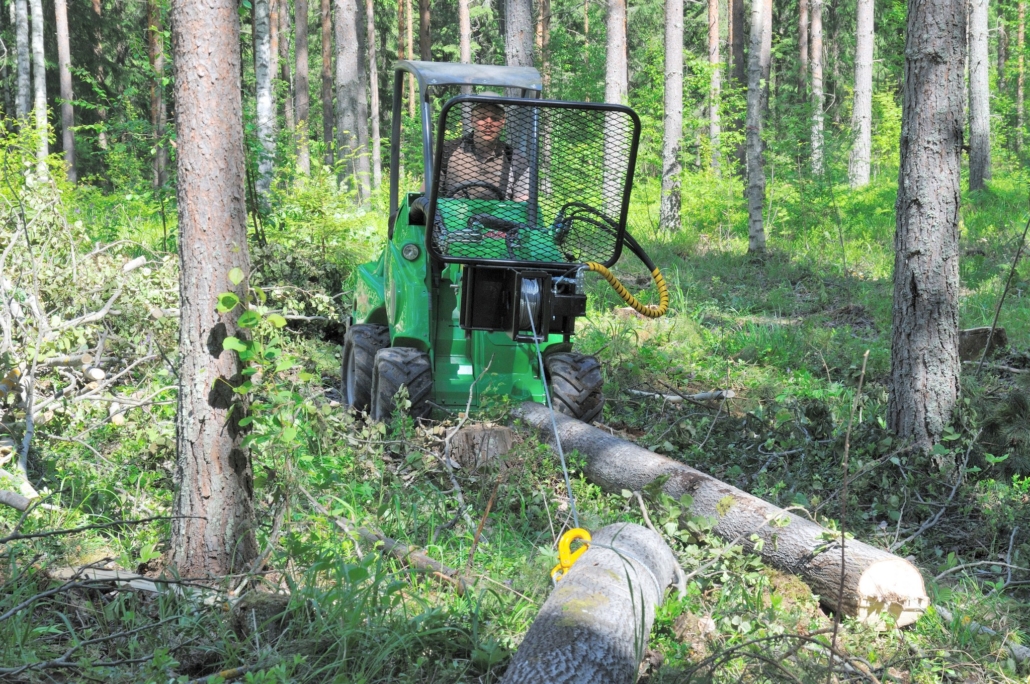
(649, 310)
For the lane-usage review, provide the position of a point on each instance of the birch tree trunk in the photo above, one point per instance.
(158, 111)
(518, 32)
(351, 108)
(802, 48)
(39, 86)
(273, 41)
(616, 86)
(373, 87)
(213, 527)
(1020, 80)
(862, 110)
(979, 97)
(755, 107)
(669, 217)
(265, 99)
(924, 332)
(464, 32)
(327, 80)
(64, 66)
(284, 62)
(817, 87)
(23, 103)
(715, 85)
(425, 40)
(302, 86)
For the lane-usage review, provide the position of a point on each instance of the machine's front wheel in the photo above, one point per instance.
(576, 385)
(360, 345)
(397, 366)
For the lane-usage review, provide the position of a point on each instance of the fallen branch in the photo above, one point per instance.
(74, 530)
(714, 395)
(391, 547)
(1019, 653)
(14, 500)
(997, 366)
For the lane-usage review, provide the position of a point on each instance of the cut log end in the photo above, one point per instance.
(891, 587)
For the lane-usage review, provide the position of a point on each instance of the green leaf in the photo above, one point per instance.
(306, 377)
(248, 319)
(227, 301)
(289, 433)
(236, 276)
(284, 363)
(276, 320)
(234, 344)
(246, 420)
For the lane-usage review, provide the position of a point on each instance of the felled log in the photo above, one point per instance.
(14, 500)
(875, 582)
(594, 626)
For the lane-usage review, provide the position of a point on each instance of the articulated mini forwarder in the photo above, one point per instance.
(478, 289)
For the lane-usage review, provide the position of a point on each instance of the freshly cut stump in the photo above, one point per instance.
(594, 626)
(875, 582)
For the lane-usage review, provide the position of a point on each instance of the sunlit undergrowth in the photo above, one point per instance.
(786, 333)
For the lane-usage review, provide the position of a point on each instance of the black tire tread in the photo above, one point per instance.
(576, 385)
(364, 341)
(397, 366)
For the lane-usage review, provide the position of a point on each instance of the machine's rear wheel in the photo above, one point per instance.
(360, 345)
(397, 366)
(576, 385)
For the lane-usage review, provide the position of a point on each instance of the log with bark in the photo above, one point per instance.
(875, 582)
(594, 626)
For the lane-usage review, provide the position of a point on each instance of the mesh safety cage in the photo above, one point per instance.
(517, 181)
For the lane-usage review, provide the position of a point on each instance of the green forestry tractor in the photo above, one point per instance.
(478, 289)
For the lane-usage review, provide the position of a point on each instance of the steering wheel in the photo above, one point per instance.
(468, 185)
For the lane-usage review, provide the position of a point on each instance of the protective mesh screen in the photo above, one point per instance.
(531, 181)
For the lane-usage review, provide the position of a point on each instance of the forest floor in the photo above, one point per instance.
(786, 332)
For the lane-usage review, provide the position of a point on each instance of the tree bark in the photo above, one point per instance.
(755, 112)
(802, 48)
(265, 99)
(64, 66)
(302, 86)
(351, 108)
(543, 40)
(1020, 78)
(213, 528)
(425, 40)
(875, 581)
(373, 87)
(669, 216)
(518, 32)
(39, 86)
(715, 84)
(409, 17)
(23, 103)
(327, 80)
(5, 86)
(817, 87)
(616, 75)
(862, 110)
(736, 41)
(595, 625)
(273, 40)
(284, 63)
(464, 32)
(924, 333)
(979, 97)
(158, 110)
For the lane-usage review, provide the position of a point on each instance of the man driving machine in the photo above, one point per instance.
(480, 165)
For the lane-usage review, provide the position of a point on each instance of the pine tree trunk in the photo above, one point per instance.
(409, 16)
(39, 86)
(265, 99)
(464, 32)
(979, 97)
(1020, 75)
(21, 36)
(302, 86)
(273, 40)
(425, 40)
(802, 48)
(862, 111)
(373, 87)
(351, 108)
(327, 81)
(518, 33)
(755, 107)
(817, 87)
(5, 85)
(544, 48)
(924, 332)
(738, 72)
(158, 110)
(284, 63)
(715, 84)
(64, 66)
(669, 217)
(213, 527)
